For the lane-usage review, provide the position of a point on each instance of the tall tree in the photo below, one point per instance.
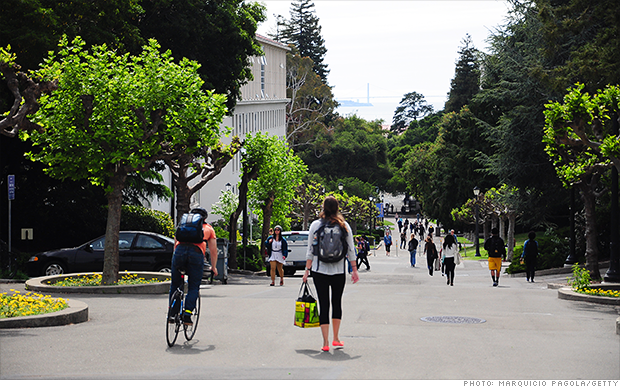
(113, 115)
(274, 189)
(466, 81)
(411, 107)
(312, 104)
(220, 35)
(303, 31)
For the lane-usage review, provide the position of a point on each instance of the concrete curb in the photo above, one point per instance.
(46, 284)
(567, 293)
(77, 312)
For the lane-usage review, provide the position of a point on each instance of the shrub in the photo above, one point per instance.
(253, 259)
(552, 252)
(138, 218)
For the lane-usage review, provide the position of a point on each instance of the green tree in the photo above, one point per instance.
(226, 205)
(580, 142)
(466, 81)
(303, 31)
(410, 107)
(509, 107)
(354, 148)
(113, 115)
(310, 110)
(220, 35)
(274, 188)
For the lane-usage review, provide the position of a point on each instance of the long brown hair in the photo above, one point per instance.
(331, 211)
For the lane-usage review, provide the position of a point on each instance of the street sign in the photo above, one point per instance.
(11, 187)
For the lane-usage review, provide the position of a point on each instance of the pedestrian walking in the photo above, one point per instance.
(449, 252)
(431, 254)
(413, 249)
(277, 250)
(431, 230)
(403, 238)
(530, 255)
(400, 225)
(189, 257)
(362, 253)
(387, 241)
(330, 275)
(496, 248)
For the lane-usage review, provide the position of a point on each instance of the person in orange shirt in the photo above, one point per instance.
(189, 257)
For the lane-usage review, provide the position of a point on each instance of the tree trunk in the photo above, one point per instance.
(592, 252)
(183, 193)
(512, 219)
(234, 217)
(110, 255)
(267, 213)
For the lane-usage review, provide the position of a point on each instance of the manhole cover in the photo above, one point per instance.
(453, 320)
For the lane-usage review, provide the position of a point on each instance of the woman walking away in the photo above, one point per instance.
(277, 249)
(413, 249)
(328, 275)
(450, 250)
(530, 254)
(431, 254)
(387, 241)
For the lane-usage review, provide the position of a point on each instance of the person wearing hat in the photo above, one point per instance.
(277, 250)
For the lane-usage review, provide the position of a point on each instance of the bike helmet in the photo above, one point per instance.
(201, 211)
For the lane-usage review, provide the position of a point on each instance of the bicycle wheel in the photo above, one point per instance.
(190, 330)
(172, 329)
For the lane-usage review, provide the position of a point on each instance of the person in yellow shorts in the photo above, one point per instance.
(496, 248)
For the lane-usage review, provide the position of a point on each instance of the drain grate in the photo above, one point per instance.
(453, 320)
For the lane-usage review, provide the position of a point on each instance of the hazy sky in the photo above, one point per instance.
(395, 47)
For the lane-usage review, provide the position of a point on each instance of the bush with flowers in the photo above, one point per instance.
(580, 282)
(95, 280)
(28, 304)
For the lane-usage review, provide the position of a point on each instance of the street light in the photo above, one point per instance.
(371, 198)
(340, 187)
(228, 186)
(477, 236)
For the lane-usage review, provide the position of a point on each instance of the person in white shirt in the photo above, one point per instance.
(450, 250)
(330, 275)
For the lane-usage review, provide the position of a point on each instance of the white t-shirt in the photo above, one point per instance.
(276, 251)
(450, 252)
(335, 267)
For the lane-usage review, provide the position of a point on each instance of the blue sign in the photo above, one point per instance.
(11, 187)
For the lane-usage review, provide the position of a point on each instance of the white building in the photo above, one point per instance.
(262, 108)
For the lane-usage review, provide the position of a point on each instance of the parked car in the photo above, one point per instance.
(138, 251)
(297, 248)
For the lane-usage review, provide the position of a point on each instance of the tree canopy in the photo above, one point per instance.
(303, 30)
(114, 114)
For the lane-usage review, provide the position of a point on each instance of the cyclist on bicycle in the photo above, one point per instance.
(190, 258)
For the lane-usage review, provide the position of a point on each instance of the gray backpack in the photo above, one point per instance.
(331, 243)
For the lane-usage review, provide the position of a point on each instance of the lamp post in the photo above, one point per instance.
(340, 187)
(228, 186)
(477, 236)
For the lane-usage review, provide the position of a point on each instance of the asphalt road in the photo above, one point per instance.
(246, 331)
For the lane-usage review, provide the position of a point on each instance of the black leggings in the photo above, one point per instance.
(530, 267)
(449, 265)
(322, 283)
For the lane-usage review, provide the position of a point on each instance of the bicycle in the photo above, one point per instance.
(176, 305)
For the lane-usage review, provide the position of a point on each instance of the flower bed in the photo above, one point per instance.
(599, 291)
(29, 304)
(94, 279)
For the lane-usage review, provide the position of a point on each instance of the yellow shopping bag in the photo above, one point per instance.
(306, 310)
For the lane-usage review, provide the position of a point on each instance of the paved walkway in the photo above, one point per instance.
(246, 332)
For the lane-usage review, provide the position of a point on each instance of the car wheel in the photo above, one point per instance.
(54, 268)
(164, 269)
